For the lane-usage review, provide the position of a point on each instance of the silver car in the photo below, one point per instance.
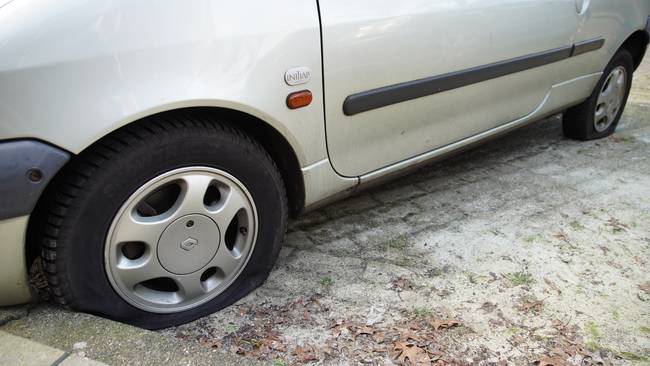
(152, 151)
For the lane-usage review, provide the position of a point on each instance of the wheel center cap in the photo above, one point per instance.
(188, 244)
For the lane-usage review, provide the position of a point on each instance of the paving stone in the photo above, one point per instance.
(20, 351)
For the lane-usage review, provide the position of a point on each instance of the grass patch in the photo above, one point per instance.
(435, 272)
(326, 283)
(511, 331)
(231, 328)
(594, 332)
(592, 346)
(576, 225)
(399, 243)
(403, 261)
(629, 356)
(520, 278)
(530, 239)
(471, 277)
(278, 362)
(420, 312)
(645, 330)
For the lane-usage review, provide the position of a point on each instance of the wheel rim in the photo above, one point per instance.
(181, 239)
(610, 99)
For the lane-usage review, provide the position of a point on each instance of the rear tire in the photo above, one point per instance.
(598, 116)
(86, 258)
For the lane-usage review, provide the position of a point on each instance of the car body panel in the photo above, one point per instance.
(73, 71)
(611, 21)
(556, 99)
(370, 44)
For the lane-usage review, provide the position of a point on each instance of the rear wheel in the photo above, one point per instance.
(599, 115)
(164, 222)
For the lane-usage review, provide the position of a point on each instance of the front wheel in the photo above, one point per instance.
(164, 222)
(599, 115)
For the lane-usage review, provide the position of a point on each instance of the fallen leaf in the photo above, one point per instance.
(616, 225)
(438, 323)
(379, 337)
(414, 354)
(645, 287)
(305, 353)
(488, 307)
(273, 342)
(551, 361)
(530, 304)
(562, 236)
(339, 328)
(408, 336)
(400, 284)
(365, 330)
(552, 285)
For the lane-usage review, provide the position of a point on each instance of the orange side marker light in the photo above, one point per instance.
(299, 99)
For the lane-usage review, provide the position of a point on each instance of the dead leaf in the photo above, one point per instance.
(379, 337)
(645, 287)
(530, 304)
(414, 354)
(488, 307)
(408, 336)
(614, 264)
(339, 328)
(563, 237)
(400, 284)
(553, 286)
(438, 323)
(305, 353)
(616, 225)
(551, 361)
(273, 342)
(364, 330)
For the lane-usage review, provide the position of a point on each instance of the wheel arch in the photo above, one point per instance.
(273, 141)
(637, 44)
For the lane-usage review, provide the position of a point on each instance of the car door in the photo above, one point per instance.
(406, 77)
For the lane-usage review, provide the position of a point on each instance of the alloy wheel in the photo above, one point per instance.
(181, 239)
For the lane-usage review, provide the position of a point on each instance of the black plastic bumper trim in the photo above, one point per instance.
(26, 167)
(402, 92)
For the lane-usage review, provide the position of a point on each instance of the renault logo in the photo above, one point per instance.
(189, 244)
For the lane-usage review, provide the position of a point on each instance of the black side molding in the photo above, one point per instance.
(587, 46)
(26, 166)
(393, 94)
